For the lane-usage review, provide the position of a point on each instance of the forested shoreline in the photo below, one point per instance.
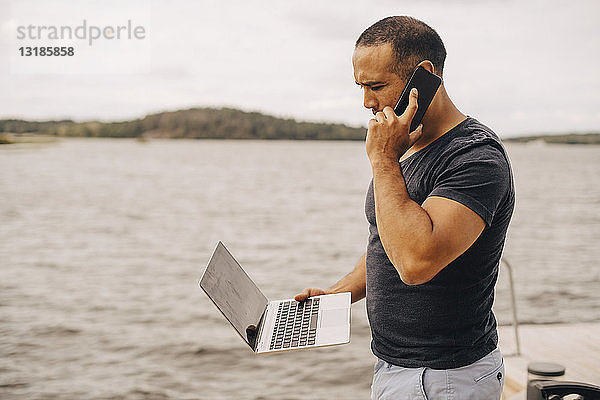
(194, 123)
(221, 123)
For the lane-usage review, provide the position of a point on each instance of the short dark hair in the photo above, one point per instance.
(412, 40)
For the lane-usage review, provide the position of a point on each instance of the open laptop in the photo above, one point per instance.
(278, 325)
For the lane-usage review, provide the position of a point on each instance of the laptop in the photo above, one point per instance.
(278, 325)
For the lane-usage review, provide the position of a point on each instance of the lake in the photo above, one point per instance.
(102, 242)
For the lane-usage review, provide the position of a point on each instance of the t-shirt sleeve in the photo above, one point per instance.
(478, 178)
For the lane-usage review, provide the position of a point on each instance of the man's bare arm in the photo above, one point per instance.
(419, 240)
(429, 237)
(354, 282)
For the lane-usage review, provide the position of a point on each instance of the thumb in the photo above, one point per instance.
(411, 109)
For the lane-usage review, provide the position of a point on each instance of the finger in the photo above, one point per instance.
(315, 292)
(380, 117)
(415, 135)
(390, 115)
(308, 292)
(302, 295)
(411, 109)
(370, 128)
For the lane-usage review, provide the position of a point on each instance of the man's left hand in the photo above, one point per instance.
(388, 136)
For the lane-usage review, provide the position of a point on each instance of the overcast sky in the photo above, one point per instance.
(518, 66)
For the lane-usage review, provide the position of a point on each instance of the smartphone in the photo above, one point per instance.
(427, 84)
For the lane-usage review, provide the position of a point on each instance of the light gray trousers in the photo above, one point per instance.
(482, 380)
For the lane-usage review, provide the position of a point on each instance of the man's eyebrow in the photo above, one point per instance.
(370, 83)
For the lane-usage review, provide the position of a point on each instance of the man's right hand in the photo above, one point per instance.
(309, 292)
(354, 282)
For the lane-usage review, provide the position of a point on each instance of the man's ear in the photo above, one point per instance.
(428, 65)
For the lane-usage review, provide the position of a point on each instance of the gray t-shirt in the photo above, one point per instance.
(448, 321)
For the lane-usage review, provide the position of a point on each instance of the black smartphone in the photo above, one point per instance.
(427, 84)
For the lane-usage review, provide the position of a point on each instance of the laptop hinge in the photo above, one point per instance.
(254, 337)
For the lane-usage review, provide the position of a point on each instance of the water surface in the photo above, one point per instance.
(102, 242)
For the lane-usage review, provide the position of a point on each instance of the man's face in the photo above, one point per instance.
(373, 72)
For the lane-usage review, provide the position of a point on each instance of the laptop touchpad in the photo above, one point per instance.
(335, 317)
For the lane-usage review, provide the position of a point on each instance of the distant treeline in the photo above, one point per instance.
(195, 123)
(570, 138)
(223, 123)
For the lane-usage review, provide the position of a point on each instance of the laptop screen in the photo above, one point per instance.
(233, 292)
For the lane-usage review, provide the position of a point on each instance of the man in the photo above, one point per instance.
(438, 206)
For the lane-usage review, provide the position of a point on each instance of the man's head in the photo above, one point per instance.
(387, 53)
(412, 41)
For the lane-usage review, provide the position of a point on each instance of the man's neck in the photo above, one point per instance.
(442, 115)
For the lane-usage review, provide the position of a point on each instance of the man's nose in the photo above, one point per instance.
(370, 101)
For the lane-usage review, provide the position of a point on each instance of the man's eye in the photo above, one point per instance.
(378, 87)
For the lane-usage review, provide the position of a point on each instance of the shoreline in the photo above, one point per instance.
(18, 138)
(32, 137)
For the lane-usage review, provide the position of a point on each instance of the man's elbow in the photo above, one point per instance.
(416, 272)
(412, 279)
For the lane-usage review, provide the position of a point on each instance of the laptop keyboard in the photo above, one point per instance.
(295, 324)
